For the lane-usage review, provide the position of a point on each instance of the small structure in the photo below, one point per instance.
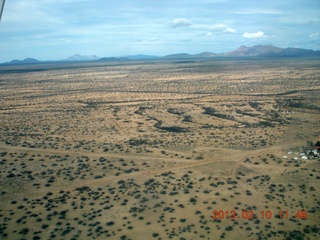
(316, 153)
(313, 151)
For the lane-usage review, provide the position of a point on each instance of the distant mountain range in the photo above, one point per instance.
(242, 51)
(271, 51)
(24, 61)
(255, 51)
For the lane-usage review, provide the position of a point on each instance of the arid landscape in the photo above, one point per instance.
(158, 149)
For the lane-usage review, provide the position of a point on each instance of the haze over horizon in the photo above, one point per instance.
(58, 29)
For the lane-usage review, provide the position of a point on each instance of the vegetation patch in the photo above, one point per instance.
(213, 112)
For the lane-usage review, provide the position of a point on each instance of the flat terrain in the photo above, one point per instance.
(155, 150)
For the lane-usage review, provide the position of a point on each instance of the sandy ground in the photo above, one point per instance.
(158, 150)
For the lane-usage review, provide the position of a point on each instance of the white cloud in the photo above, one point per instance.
(180, 22)
(218, 27)
(253, 35)
(222, 28)
(315, 35)
(209, 34)
(230, 30)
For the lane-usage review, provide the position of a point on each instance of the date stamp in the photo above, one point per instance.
(264, 214)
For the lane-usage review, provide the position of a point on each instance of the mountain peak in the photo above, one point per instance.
(24, 61)
(242, 48)
(270, 51)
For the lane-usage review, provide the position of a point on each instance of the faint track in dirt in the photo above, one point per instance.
(183, 164)
(178, 168)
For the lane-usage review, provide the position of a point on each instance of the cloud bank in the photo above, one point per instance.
(55, 29)
(315, 35)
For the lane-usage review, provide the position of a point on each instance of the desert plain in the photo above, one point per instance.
(158, 149)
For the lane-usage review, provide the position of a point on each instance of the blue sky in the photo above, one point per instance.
(57, 29)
